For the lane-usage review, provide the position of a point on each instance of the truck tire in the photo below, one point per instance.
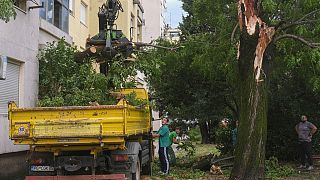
(147, 168)
(137, 174)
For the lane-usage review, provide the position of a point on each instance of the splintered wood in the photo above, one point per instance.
(265, 37)
(251, 21)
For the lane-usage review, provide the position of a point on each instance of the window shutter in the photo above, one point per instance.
(9, 88)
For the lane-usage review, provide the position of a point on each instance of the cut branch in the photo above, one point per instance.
(140, 44)
(298, 38)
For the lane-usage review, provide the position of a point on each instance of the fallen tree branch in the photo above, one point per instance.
(298, 38)
(141, 44)
(100, 51)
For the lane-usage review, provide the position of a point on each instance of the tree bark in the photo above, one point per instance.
(254, 39)
(204, 132)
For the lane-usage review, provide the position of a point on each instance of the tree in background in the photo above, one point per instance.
(268, 31)
(189, 87)
(7, 10)
(262, 25)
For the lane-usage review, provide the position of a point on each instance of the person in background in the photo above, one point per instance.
(164, 143)
(234, 133)
(305, 131)
(173, 139)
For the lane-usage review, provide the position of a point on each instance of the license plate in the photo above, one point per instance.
(42, 168)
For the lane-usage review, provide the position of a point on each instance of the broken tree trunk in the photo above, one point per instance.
(204, 163)
(254, 39)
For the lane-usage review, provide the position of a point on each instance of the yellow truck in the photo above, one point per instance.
(86, 142)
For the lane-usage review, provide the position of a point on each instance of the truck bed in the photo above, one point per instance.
(77, 125)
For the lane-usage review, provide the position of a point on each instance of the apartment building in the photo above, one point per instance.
(154, 19)
(154, 26)
(20, 41)
(84, 20)
(41, 21)
(172, 34)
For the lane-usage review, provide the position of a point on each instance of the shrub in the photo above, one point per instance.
(223, 139)
(274, 170)
(195, 134)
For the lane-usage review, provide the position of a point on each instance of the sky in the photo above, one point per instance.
(174, 13)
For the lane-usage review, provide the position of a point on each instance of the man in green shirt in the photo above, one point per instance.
(173, 139)
(164, 143)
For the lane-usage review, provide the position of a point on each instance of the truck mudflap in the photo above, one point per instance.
(80, 177)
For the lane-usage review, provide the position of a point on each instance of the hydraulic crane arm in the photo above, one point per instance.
(108, 13)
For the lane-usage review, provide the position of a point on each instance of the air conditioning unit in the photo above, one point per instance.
(3, 67)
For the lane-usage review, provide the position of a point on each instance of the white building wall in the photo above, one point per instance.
(18, 41)
(49, 33)
(154, 15)
(163, 21)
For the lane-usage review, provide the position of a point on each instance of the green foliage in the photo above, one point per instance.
(64, 82)
(200, 80)
(269, 6)
(293, 92)
(183, 170)
(178, 172)
(294, 82)
(121, 73)
(223, 139)
(194, 134)
(178, 123)
(188, 147)
(173, 76)
(274, 170)
(186, 173)
(139, 103)
(7, 10)
(197, 82)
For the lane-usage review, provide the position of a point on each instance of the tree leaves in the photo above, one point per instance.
(64, 82)
(7, 10)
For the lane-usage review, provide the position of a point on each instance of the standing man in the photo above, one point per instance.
(164, 142)
(234, 134)
(305, 131)
(173, 139)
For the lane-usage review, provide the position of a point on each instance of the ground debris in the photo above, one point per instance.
(216, 170)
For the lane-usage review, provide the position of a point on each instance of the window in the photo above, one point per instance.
(139, 32)
(9, 88)
(174, 34)
(131, 22)
(21, 4)
(83, 13)
(132, 28)
(56, 12)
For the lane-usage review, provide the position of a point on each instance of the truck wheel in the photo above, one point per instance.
(137, 174)
(147, 168)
